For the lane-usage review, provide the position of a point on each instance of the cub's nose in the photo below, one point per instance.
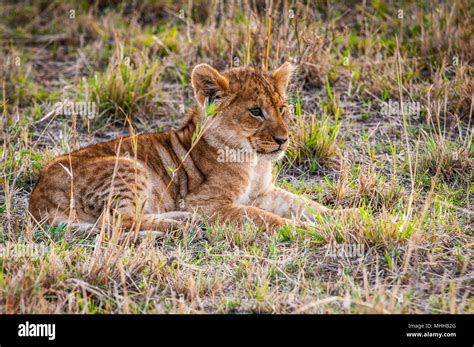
(280, 140)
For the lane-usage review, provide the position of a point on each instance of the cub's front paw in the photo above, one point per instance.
(272, 226)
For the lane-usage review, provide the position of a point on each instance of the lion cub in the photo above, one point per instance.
(219, 164)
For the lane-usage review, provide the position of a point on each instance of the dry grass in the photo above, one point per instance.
(410, 174)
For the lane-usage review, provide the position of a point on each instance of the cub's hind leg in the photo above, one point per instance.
(158, 224)
(150, 222)
(140, 197)
(87, 191)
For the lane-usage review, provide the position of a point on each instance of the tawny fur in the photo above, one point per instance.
(146, 181)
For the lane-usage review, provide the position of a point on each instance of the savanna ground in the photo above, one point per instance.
(382, 120)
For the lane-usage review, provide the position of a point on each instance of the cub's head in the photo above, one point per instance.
(250, 108)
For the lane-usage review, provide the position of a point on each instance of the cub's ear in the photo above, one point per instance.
(282, 76)
(207, 82)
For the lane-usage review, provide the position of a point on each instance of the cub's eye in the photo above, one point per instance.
(282, 109)
(256, 112)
